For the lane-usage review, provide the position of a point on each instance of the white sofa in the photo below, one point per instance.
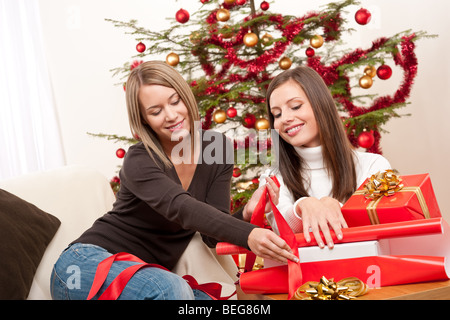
(76, 195)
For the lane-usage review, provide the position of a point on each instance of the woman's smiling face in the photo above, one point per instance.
(293, 115)
(164, 112)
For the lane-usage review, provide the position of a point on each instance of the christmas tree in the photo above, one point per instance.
(228, 51)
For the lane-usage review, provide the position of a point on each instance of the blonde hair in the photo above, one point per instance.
(156, 73)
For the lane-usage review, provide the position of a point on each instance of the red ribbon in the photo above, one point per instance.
(286, 233)
(116, 287)
(361, 233)
(376, 271)
(212, 289)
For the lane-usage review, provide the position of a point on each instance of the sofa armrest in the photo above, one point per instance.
(76, 195)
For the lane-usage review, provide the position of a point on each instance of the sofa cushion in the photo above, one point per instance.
(25, 232)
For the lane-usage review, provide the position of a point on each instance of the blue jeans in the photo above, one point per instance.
(74, 272)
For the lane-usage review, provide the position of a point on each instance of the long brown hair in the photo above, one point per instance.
(158, 73)
(337, 151)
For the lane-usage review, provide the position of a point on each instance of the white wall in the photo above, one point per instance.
(82, 48)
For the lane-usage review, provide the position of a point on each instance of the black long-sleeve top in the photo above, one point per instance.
(154, 218)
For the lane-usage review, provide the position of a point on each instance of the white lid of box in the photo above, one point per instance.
(339, 251)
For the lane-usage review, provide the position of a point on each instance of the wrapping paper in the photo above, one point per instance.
(362, 233)
(375, 271)
(415, 200)
(399, 220)
(419, 258)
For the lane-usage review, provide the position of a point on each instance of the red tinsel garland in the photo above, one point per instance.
(255, 65)
(406, 59)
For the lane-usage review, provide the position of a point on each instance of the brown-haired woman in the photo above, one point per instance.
(317, 167)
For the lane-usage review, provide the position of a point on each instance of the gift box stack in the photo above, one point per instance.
(396, 235)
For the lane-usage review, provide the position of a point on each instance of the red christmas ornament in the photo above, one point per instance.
(366, 139)
(182, 16)
(249, 120)
(204, 1)
(140, 47)
(231, 112)
(362, 16)
(264, 5)
(236, 172)
(384, 72)
(120, 153)
(135, 64)
(240, 2)
(115, 179)
(310, 52)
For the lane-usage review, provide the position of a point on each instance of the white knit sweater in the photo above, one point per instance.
(320, 184)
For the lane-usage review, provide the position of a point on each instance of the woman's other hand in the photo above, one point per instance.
(320, 215)
(274, 193)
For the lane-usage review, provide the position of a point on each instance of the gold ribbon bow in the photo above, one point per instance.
(387, 184)
(345, 289)
(382, 184)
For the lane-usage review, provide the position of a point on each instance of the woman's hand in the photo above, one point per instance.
(266, 244)
(274, 193)
(319, 215)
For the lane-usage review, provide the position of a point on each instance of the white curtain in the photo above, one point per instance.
(29, 131)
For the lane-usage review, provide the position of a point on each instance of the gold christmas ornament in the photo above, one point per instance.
(371, 71)
(365, 82)
(227, 32)
(219, 116)
(262, 124)
(316, 41)
(229, 2)
(250, 39)
(195, 37)
(285, 63)
(223, 15)
(172, 59)
(267, 39)
(244, 185)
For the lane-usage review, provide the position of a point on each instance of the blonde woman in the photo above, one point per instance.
(173, 188)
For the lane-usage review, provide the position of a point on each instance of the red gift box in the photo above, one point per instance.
(413, 251)
(414, 267)
(412, 199)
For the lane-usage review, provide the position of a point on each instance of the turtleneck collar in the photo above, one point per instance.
(312, 156)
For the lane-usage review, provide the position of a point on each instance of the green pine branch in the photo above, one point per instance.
(374, 120)
(114, 137)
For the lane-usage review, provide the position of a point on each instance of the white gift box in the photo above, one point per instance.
(339, 251)
(427, 245)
